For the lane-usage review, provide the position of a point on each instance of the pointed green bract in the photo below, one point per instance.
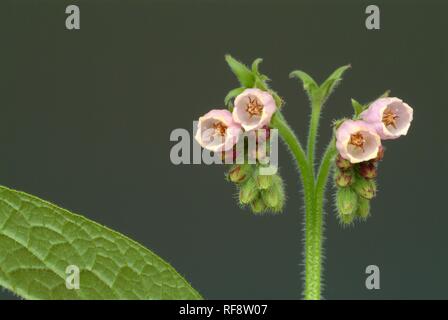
(357, 108)
(242, 72)
(309, 84)
(332, 81)
(39, 240)
(323, 91)
(255, 66)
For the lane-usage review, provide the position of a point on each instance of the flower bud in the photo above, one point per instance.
(264, 182)
(248, 191)
(363, 210)
(239, 173)
(367, 170)
(342, 163)
(274, 197)
(344, 178)
(346, 202)
(346, 219)
(365, 188)
(258, 205)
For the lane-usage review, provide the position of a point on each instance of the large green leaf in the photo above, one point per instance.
(39, 240)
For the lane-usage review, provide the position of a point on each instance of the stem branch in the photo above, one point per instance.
(312, 238)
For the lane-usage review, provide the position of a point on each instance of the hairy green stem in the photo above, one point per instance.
(316, 107)
(314, 192)
(293, 143)
(313, 236)
(314, 285)
(313, 217)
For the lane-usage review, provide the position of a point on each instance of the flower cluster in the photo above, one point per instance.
(219, 130)
(261, 192)
(224, 131)
(359, 145)
(247, 133)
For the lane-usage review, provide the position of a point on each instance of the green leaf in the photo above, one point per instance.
(244, 74)
(357, 107)
(232, 94)
(39, 240)
(309, 84)
(332, 81)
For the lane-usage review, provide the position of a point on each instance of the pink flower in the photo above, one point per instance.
(253, 108)
(391, 117)
(357, 141)
(217, 131)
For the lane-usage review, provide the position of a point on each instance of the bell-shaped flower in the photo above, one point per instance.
(253, 108)
(357, 141)
(217, 131)
(391, 117)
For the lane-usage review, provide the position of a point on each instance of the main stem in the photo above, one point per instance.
(313, 217)
(314, 190)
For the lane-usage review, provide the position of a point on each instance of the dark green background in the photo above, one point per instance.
(86, 117)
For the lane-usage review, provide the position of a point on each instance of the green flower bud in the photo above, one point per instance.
(248, 191)
(346, 219)
(346, 202)
(363, 210)
(365, 188)
(258, 205)
(264, 182)
(274, 197)
(342, 163)
(344, 178)
(238, 173)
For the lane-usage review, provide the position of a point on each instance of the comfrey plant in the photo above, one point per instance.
(242, 132)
